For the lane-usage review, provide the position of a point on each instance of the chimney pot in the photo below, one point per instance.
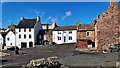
(38, 18)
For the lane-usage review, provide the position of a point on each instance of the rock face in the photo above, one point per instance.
(107, 27)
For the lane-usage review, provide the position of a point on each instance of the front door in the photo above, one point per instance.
(30, 44)
(64, 39)
(23, 44)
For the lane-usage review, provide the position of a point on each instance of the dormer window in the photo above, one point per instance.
(24, 29)
(19, 30)
(29, 30)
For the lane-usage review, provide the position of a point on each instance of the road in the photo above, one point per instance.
(66, 54)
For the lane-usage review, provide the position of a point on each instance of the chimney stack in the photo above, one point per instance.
(77, 24)
(112, 2)
(22, 18)
(38, 18)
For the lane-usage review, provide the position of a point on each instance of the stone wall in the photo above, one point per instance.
(82, 35)
(107, 28)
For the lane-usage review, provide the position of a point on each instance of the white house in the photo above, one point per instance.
(26, 32)
(1, 39)
(64, 34)
(48, 26)
(10, 38)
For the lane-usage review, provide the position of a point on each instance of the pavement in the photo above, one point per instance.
(66, 53)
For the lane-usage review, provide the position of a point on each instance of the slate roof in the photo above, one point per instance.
(5, 33)
(27, 23)
(63, 28)
(86, 27)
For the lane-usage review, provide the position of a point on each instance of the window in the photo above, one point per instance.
(24, 30)
(64, 32)
(10, 43)
(59, 32)
(19, 36)
(70, 37)
(29, 30)
(59, 38)
(8, 39)
(29, 36)
(24, 36)
(19, 30)
(70, 32)
(87, 34)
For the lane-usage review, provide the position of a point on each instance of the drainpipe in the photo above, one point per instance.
(98, 32)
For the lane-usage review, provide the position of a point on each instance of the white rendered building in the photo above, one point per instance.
(26, 32)
(64, 34)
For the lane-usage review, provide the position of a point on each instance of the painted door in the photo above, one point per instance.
(30, 44)
(64, 39)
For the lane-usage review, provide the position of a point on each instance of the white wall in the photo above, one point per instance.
(11, 41)
(66, 34)
(44, 27)
(22, 39)
(1, 39)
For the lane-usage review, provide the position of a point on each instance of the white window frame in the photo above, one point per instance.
(58, 38)
(70, 37)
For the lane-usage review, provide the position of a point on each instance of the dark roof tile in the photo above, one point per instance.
(27, 23)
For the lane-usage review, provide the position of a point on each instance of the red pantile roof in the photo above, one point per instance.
(86, 27)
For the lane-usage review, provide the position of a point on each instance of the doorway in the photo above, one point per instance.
(30, 44)
(64, 39)
(23, 44)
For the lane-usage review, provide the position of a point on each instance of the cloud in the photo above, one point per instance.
(54, 19)
(37, 12)
(50, 17)
(68, 13)
(41, 13)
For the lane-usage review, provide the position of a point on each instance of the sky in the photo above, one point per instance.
(0, 15)
(63, 13)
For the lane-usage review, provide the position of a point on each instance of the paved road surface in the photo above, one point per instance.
(65, 53)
